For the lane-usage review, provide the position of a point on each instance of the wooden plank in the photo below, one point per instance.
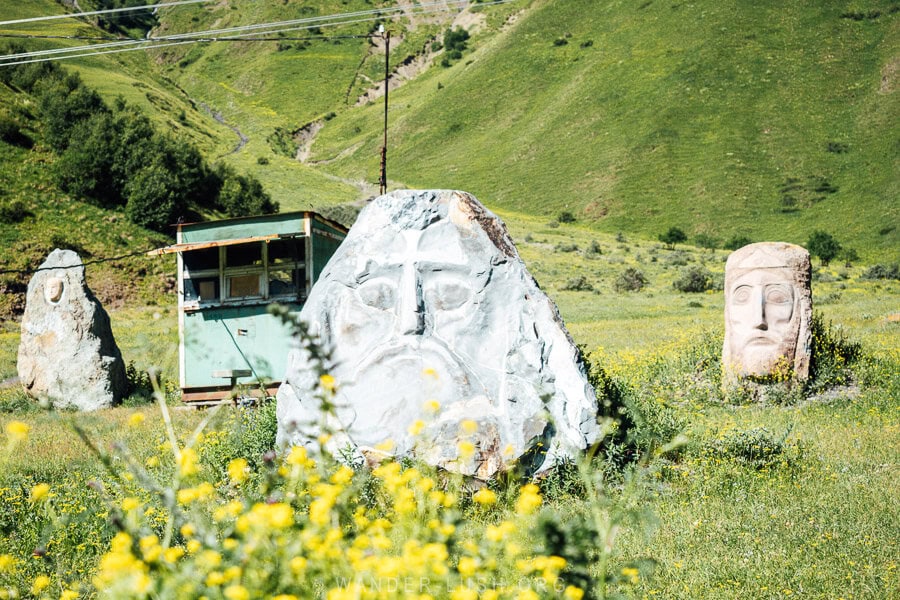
(187, 247)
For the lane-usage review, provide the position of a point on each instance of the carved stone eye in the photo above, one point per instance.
(778, 295)
(447, 295)
(741, 295)
(377, 293)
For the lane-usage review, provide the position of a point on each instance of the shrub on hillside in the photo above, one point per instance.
(630, 280)
(704, 240)
(880, 271)
(566, 217)
(694, 280)
(823, 245)
(736, 242)
(578, 284)
(673, 236)
(11, 132)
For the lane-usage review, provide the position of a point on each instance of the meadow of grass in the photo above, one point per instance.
(783, 499)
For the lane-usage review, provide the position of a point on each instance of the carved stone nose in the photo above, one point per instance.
(410, 309)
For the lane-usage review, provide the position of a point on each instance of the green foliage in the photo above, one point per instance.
(673, 236)
(832, 356)
(757, 448)
(242, 196)
(566, 217)
(11, 132)
(736, 242)
(881, 271)
(245, 432)
(707, 241)
(694, 280)
(823, 245)
(578, 284)
(455, 43)
(630, 280)
(14, 212)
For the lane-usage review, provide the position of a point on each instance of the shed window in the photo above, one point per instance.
(243, 255)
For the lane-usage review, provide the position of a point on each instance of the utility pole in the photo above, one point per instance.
(387, 76)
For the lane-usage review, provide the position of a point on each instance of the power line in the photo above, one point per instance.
(102, 12)
(197, 37)
(263, 28)
(83, 264)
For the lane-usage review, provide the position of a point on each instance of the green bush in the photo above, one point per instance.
(630, 280)
(578, 284)
(245, 432)
(832, 356)
(736, 242)
(823, 245)
(673, 236)
(880, 271)
(757, 448)
(566, 217)
(694, 280)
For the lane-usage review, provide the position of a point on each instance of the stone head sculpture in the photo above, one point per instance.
(428, 300)
(768, 308)
(67, 352)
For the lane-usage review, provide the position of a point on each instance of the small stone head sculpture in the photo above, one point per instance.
(53, 290)
(768, 308)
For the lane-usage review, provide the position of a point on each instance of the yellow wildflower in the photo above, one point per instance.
(573, 593)
(17, 431)
(469, 426)
(130, 503)
(173, 554)
(193, 546)
(41, 582)
(298, 565)
(68, 595)
(529, 499)
(463, 593)
(342, 476)
(467, 566)
(39, 492)
(631, 573)
(214, 579)
(6, 562)
(432, 406)
(485, 497)
(237, 592)
(136, 419)
(238, 469)
(328, 383)
(466, 449)
(416, 428)
(188, 462)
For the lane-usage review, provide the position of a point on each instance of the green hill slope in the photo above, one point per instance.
(723, 118)
(764, 119)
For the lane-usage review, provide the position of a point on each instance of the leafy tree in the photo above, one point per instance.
(240, 195)
(63, 102)
(737, 241)
(85, 168)
(673, 236)
(704, 240)
(823, 245)
(154, 200)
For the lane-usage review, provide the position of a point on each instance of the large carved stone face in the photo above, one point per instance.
(760, 307)
(427, 299)
(768, 308)
(413, 316)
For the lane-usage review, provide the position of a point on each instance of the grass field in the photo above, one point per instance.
(815, 517)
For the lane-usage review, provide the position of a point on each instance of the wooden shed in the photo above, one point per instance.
(229, 271)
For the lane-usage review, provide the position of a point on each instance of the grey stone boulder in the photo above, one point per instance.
(67, 353)
(444, 346)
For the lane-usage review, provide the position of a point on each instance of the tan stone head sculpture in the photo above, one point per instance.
(768, 309)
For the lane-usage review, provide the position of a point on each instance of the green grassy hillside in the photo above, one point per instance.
(765, 119)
